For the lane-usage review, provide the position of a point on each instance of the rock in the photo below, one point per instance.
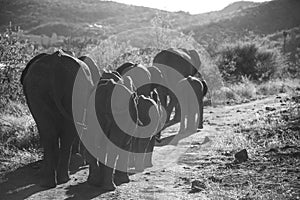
(238, 111)
(197, 186)
(215, 180)
(270, 108)
(241, 156)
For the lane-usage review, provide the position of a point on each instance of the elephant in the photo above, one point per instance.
(93, 68)
(77, 146)
(176, 64)
(145, 79)
(107, 108)
(192, 103)
(49, 83)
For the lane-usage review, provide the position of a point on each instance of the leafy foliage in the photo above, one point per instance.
(14, 56)
(248, 59)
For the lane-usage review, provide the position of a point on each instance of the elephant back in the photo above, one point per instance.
(186, 62)
(34, 59)
(111, 75)
(125, 67)
(92, 66)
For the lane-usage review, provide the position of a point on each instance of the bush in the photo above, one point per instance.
(250, 60)
(14, 55)
(245, 89)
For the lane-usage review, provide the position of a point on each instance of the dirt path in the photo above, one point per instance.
(178, 162)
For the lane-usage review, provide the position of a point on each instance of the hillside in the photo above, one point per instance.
(104, 18)
(264, 19)
(94, 17)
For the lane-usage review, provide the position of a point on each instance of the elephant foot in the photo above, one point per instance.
(200, 126)
(148, 160)
(139, 169)
(148, 165)
(76, 162)
(94, 181)
(62, 179)
(47, 184)
(95, 178)
(120, 178)
(108, 187)
(102, 184)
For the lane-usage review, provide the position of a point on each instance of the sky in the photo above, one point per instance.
(191, 6)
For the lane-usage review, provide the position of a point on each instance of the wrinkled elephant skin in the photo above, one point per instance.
(108, 108)
(191, 96)
(48, 87)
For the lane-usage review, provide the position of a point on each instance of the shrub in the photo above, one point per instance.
(14, 55)
(248, 59)
(245, 89)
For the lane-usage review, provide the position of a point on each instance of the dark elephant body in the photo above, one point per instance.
(191, 98)
(176, 64)
(143, 144)
(111, 101)
(48, 84)
(92, 66)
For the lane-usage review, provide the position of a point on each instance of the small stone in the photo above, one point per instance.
(214, 179)
(241, 156)
(270, 108)
(197, 186)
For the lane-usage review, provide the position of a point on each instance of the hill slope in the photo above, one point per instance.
(266, 18)
(104, 18)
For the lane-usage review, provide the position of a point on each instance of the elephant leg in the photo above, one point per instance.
(191, 122)
(66, 140)
(141, 145)
(75, 145)
(48, 132)
(50, 162)
(121, 174)
(131, 154)
(77, 155)
(184, 114)
(200, 114)
(149, 152)
(177, 113)
(108, 169)
(95, 174)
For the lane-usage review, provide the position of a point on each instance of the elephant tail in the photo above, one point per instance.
(205, 88)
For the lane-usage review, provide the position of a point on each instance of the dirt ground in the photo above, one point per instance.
(185, 167)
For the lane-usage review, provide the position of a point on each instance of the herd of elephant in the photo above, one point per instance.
(132, 105)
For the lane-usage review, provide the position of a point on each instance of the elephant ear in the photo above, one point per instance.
(129, 83)
(195, 59)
